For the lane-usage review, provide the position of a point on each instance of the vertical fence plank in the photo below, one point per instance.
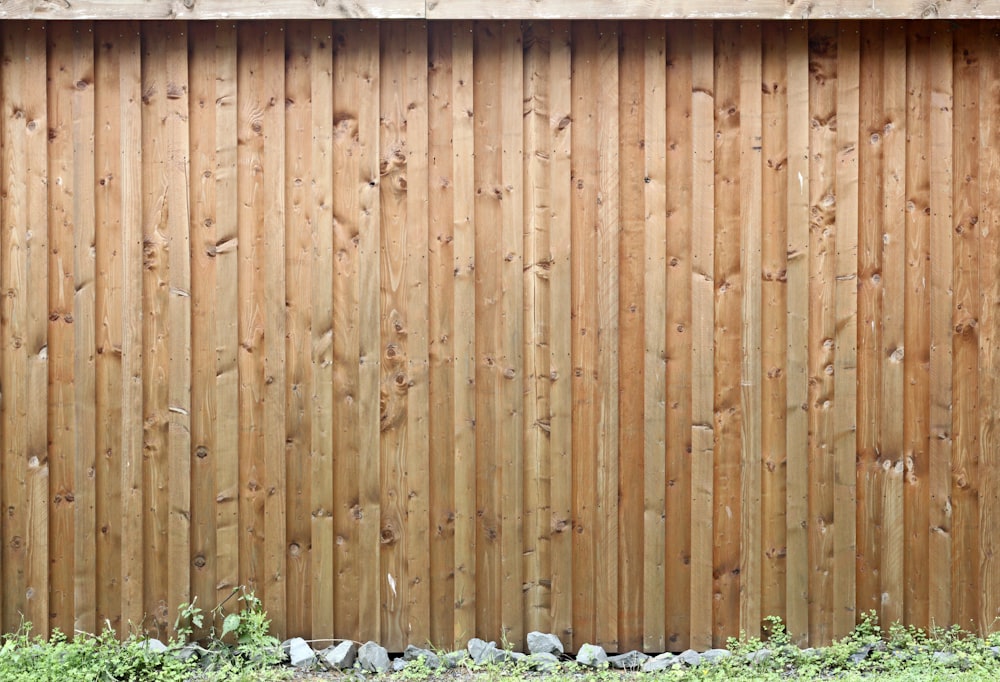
(328, 575)
(464, 399)
(965, 322)
(797, 434)
(728, 299)
(561, 395)
(440, 336)
(751, 456)
(679, 235)
(774, 318)
(703, 275)
(941, 301)
(846, 335)
(893, 291)
(631, 403)
(299, 240)
(916, 323)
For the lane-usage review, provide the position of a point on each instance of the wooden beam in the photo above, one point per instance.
(513, 9)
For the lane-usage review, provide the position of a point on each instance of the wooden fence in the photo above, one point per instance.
(426, 331)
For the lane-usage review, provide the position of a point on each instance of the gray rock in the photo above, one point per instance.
(995, 650)
(689, 657)
(858, 657)
(517, 656)
(631, 660)
(373, 658)
(759, 657)
(153, 646)
(659, 663)
(398, 664)
(544, 643)
(591, 655)
(479, 650)
(340, 656)
(453, 659)
(949, 659)
(299, 653)
(414, 653)
(715, 655)
(189, 651)
(543, 662)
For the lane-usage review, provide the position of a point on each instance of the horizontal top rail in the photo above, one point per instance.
(507, 9)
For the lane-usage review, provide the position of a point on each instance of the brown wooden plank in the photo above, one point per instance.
(751, 455)
(440, 335)
(916, 329)
(965, 341)
(941, 302)
(654, 232)
(869, 343)
(797, 588)
(774, 318)
(178, 229)
(989, 353)
(560, 392)
(846, 335)
(822, 199)
(370, 592)
(586, 323)
(679, 318)
(328, 151)
(631, 324)
(464, 398)
(488, 112)
(299, 239)
(227, 330)
(156, 179)
(892, 351)
(703, 332)
(129, 140)
(204, 280)
(728, 297)
(537, 425)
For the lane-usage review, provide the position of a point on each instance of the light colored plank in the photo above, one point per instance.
(107, 165)
(989, 320)
(654, 179)
(702, 332)
(227, 331)
(441, 334)
(965, 340)
(916, 328)
(178, 227)
(774, 319)
(893, 175)
(608, 232)
(846, 336)
(941, 294)
(417, 467)
(822, 200)
(709, 9)
(632, 557)
(299, 240)
(869, 341)
(679, 316)
(487, 121)
(327, 151)
(560, 392)
(370, 592)
(537, 424)
(751, 456)
(586, 324)
(728, 300)
(133, 494)
(797, 241)
(227, 10)
(464, 398)
(204, 280)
